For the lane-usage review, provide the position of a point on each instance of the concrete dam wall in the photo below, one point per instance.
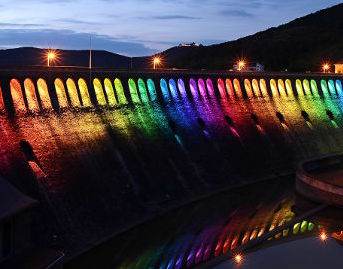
(105, 150)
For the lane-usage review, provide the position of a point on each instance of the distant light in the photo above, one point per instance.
(238, 258)
(241, 64)
(323, 236)
(326, 67)
(51, 56)
(156, 61)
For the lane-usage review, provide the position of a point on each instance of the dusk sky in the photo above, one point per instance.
(141, 27)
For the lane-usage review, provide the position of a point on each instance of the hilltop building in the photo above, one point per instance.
(193, 44)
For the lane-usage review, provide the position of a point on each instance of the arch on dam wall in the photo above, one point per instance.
(237, 87)
(112, 101)
(273, 88)
(281, 87)
(164, 90)
(182, 87)
(221, 88)
(256, 88)
(31, 97)
(44, 94)
(202, 87)
(120, 91)
(307, 89)
(17, 95)
(339, 87)
(151, 89)
(299, 87)
(263, 87)
(296, 228)
(61, 93)
(2, 104)
(210, 88)
(289, 88)
(133, 91)
(324, 87)
(173, 88)
(142, 90)
(229, 88)
(86, 100)
(248, 88)
(194, 88)
(99, 92)
(73, 95)
(314, 88)
(332, 88)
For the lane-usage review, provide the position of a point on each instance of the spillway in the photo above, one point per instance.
(106, 150)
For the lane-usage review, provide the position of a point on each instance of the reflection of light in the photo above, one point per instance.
(238, 258)
(323, 236)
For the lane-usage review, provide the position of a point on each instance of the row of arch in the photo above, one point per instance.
(76, 94)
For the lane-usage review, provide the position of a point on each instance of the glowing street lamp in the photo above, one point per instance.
(51, 57)
(241, 65)
(326, 67)
(156, 61)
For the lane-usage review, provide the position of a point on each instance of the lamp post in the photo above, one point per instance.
(326, 68)
(51, 57)
(156, 62)
(241, 65)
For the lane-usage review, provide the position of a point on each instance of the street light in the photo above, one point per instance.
(241, 65)
(51, 57)
(326, 67)
(156, 61)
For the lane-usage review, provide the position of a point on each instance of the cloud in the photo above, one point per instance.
(236, 13)
(66, 39)
(174, 17)
(19, 25)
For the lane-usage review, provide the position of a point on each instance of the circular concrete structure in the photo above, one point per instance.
(322, 179)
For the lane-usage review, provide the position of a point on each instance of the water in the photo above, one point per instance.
(214, 228)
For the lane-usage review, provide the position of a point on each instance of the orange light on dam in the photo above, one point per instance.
(326, 67)
(51, 56)
(156, 61)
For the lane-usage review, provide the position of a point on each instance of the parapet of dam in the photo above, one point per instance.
(105, 150)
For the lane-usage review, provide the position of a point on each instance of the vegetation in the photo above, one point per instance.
(301, 45)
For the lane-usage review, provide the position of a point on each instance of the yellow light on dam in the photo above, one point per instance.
(51, 56)
(156, 62)
(326, 67)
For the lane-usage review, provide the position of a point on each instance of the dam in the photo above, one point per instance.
(106, 151)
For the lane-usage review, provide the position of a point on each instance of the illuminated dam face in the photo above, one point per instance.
(108, 150)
